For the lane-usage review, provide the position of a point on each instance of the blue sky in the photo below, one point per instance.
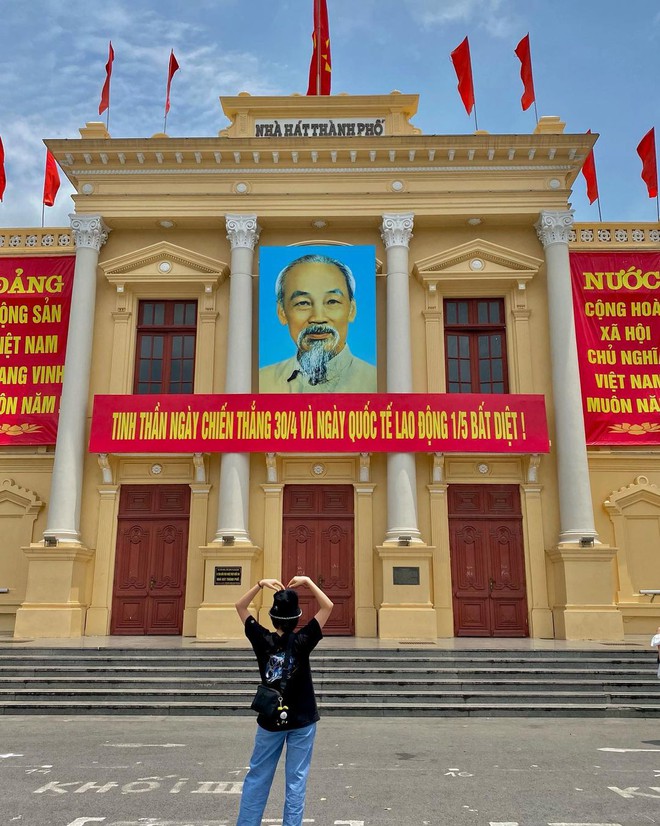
(596, 65)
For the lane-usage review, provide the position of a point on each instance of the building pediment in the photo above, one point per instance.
(477, 260)
(164, 263)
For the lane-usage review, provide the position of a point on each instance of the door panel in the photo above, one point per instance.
(487, 561)
(317, 542)
(150, 563)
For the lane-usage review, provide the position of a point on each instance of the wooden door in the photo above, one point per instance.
(317, 540)
(487, 561)
(150, 562)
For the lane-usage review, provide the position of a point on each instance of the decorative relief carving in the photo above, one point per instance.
(89, 231)
(242, 231)
(554, 227)
(396, 230)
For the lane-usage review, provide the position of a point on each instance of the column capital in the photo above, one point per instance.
(242, 231)
(554, 227)
(89, 231)
(396, 229)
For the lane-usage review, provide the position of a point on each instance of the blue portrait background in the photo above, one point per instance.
(275, 343)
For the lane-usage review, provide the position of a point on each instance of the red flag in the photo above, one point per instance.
(646, 151)
(174, 66)
(51, 179)
(320, 67)
(524, 55)
(105, 93)
(589, 172)
(3, 177)
(460, 57)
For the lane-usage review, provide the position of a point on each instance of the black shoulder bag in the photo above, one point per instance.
(268, 701)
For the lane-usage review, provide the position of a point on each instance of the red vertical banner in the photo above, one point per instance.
(589, 172)
(320, 67)
(105, 92)
(173, 67)
(460, 57)
(524, 55)
(35, 302)
(617, 322)
(3, 177)
(646, 151)
(51, 180)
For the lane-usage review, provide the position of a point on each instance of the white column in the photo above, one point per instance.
(63, 521)
(575, 505)
(396, 231)
(233, 505)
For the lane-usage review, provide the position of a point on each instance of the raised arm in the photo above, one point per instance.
(243, 603)
(325, 603)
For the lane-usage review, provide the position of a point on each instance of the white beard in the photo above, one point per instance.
(314, 355)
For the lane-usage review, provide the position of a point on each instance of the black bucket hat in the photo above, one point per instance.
(285, 605)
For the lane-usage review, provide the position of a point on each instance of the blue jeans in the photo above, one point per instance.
(256, 787)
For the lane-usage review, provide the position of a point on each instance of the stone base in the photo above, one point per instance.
(541, 624)
(584, 589)
(445, 622)
(407, 622)
(97, 622)
(218, 622)
(216, 616)
(57, 593)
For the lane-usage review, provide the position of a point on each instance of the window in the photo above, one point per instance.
(165, 358)
(475, 345)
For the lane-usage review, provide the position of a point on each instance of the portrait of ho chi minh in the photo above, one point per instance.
(315, 297)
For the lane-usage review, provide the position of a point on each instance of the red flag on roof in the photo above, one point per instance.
(589, 172)
(3, 177)
(105, 93)
(320, 67)
(646, 151)
(460, 57)
(174, 66)
(51, 179)
(524, 55)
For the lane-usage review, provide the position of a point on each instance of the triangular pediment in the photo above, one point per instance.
(164, 262)
(478, 260)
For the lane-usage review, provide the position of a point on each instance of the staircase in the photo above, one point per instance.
(357, 682)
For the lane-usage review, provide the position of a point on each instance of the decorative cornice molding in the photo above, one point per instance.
(396, 229)
(89, 231)
(554, 227)
(242, 231)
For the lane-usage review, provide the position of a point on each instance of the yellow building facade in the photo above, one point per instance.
(411, 546)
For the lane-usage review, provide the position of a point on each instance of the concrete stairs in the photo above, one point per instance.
(357, 682)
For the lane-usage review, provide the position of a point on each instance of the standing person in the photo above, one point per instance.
(299, 728)
(656, 641)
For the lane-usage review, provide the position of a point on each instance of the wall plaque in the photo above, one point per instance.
(405, 575)
(227, 575)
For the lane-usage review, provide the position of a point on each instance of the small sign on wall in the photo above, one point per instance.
(405, 575)
(227, 575)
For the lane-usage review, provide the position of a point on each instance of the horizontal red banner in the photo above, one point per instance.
(325, 423)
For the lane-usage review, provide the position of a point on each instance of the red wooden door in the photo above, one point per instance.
(487, 561)
(150, 562)
(317, 541)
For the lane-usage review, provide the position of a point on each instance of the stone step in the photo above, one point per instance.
(649, 683)
(579, 710)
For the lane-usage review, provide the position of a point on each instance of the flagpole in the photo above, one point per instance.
(536, 112)
(476, 125)
(43, 214)
(600, 216)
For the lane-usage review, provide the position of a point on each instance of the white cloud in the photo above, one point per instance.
(495, 16)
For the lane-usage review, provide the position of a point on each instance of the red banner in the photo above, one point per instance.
(35, 301)
(616, 299)
(326, 423)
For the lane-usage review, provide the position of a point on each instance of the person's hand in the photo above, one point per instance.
(297, 581)
(274, 584)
